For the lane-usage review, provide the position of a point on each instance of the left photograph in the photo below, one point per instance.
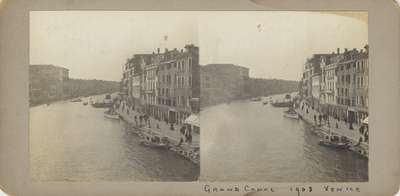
(114, 96)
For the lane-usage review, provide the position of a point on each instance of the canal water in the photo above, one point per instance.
(240, 141)
(73, 142)
(249, 141)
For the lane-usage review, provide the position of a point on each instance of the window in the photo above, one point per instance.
(362, 82)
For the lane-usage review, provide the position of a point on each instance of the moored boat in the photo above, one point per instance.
(291, 114)
(335, 141)
(76, 100)
(282, 104)
(256, 99)
(101, 105)
(106, 103)
(155, 141)
(111, 114)
(85, 103)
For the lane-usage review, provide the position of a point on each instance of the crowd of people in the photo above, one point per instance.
(143, 120)
(321, 119)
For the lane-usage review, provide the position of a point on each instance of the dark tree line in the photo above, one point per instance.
(255, 87)
(81, 87)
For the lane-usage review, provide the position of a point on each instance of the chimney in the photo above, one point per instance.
(366, 48)
(181, 50)
(158, 50)
(338, 50)
(345, 50)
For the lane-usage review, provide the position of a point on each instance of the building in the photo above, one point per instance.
(222, 83)
(132, 81)
(311, 80)
(46, 83)
(352, 85)
(168, 83)
(179, 84)
(337, 84)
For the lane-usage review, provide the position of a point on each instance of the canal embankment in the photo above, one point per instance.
(185, 149)
(334, 126)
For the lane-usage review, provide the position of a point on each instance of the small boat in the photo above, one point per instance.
(256, 99)
(101, 105)
(282, 104)
(335, 141)
(106, 103)
(76, 100)
(111, 114)
(265, 102)
(154, 141)
(85, 103)
(291, 114)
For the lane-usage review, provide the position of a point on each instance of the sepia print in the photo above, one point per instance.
(277, 96)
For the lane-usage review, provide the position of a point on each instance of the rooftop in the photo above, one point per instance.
(46, 66)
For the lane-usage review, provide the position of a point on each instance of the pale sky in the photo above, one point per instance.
(272, 44)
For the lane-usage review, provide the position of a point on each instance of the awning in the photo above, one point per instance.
(365, 120)
(193, 119)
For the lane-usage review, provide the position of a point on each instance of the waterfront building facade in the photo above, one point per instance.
(46, 82)
(132, 84)
(311, 80)
(169, 83)
(221, 83)
(337, 84)
(352, 85)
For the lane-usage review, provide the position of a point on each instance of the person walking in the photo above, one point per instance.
(315, 119)
(136, 122)
(320, 118)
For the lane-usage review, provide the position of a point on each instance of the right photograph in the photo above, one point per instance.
(284, 96)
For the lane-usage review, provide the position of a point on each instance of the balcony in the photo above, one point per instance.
(328, 91)
(149, 91)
